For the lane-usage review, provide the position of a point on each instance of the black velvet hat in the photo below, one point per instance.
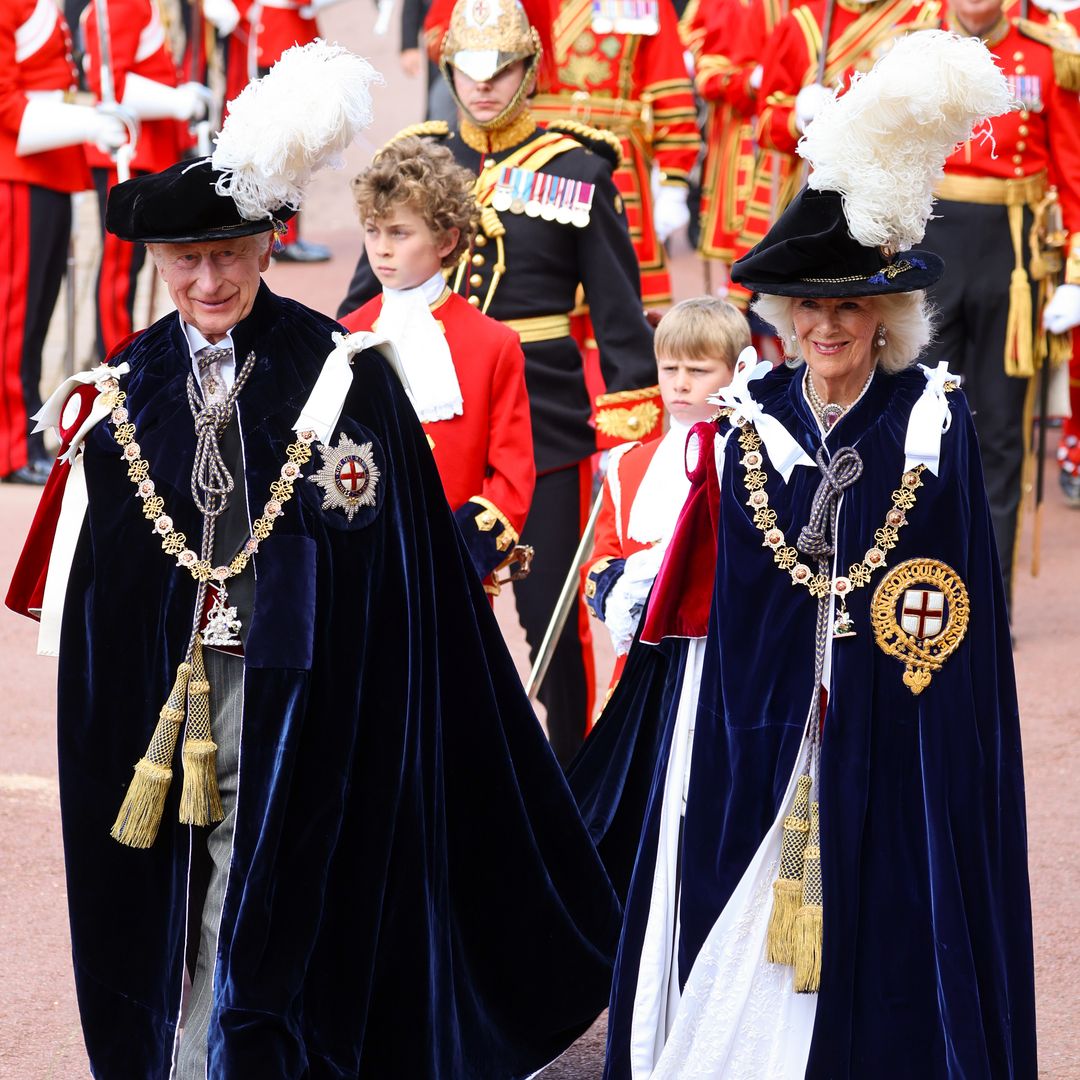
(810, 251)
(180, 205)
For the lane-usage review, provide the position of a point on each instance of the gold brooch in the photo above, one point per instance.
(920, 614)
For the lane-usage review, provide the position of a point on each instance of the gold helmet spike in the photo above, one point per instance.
(486, 36)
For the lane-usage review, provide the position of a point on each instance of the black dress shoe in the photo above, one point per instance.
(28, 474)
(300, 251)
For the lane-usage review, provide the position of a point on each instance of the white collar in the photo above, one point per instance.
(430, 290)
(663, 489)
(406, 320)
(196, 342)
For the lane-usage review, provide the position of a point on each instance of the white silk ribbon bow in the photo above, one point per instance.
(929, 420)
(322, 410)
(50, 414)
(783, 451)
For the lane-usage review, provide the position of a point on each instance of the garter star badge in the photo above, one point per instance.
(349, 476)
(920, 614)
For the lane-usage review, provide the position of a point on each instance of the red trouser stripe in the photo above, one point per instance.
(114, 287)
(15, 261)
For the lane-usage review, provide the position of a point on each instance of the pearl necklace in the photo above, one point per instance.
(829, 413)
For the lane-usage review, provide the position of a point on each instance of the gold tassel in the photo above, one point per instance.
(200, 801)
(1019, 329)
(140, 813)
(808, 922)
(787, 889)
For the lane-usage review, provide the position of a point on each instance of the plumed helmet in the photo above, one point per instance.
(486, 36)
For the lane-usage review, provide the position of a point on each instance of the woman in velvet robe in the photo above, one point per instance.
(861, 470)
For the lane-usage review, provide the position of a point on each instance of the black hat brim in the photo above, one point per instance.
(810, 252)
(908, 272)
(180, 205)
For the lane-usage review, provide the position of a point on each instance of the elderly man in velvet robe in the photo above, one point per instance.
(372, 865)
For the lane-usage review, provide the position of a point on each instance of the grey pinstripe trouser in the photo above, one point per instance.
(225, 673)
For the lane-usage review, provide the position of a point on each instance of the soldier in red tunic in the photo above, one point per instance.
(626, 74)
(144, 80)
(697, 343)
(42, 163)
(989, 299)
(465, 372)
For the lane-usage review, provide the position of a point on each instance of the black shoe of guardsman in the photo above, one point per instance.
(300, 251)
(28, 474)
(1070, 488)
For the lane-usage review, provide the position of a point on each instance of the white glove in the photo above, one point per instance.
(670, 212)
(309, 11)
(1063, 311)
(808, 102)
(49, 124)
(755, 77)
(626, 600)
(223, 14)
(150, 100)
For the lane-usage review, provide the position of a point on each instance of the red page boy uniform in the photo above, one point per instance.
(645, 488)
(475, 411)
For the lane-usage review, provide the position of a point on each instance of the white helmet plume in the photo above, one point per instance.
(283, 127)
(883, 144)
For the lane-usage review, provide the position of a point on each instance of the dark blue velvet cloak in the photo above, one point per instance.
(412, 892)
(927, 968)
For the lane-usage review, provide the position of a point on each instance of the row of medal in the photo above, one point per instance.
(1027, 89)
(538, 194)
(626, 17)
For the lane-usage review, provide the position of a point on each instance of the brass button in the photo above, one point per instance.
(481, 240)
(631, 422)
(1018, 172)
(1017, 158)
(474, 300)
(475, 279)
(1023, 129)
(1020, 69)
(1018, 55)
(478, 260)
(1021, 145)
(1024, 114)
(490, 163)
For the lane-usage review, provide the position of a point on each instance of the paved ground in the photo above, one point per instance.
(38, 1016)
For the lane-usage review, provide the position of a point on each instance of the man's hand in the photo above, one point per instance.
(193, 101)
(223, 14)
(670, 212)
(105, 130)
(808, 103)
(411, 62)
(1062, 313)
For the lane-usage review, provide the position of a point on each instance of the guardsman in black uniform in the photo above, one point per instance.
(551, 219)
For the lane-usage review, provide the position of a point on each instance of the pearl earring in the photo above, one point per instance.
(880, 342)
(794, 336)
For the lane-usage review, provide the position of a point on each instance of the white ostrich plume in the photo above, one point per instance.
(297, 119)
(883, 144)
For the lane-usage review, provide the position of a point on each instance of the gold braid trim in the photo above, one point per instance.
(584, 131)
(426, 129)
(628, 414)
(621, 397)
(487, 519)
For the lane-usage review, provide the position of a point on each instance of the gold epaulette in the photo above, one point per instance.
(604, 142)
(424, 130)
(1065, 46)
